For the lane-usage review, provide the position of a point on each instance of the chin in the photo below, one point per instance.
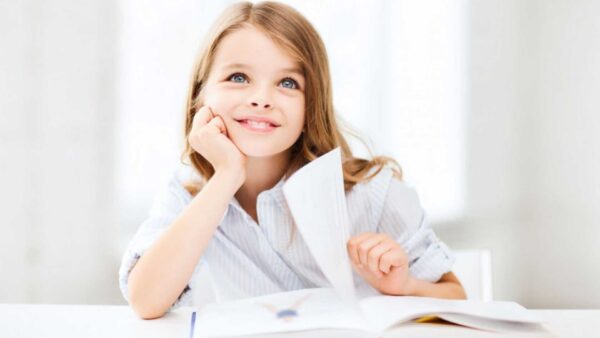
(259, 150)
(262, 146)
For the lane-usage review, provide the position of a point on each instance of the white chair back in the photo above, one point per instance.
(474, 270)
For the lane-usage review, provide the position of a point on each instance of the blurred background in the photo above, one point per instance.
(487, 105)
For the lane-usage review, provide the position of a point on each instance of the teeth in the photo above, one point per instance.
(258, 124)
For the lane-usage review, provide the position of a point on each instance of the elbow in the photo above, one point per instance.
(456, 291)
(460, 293)
(144, 310)
(148, 314)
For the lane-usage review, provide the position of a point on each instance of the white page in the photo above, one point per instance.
(319, 308)
(385, 311)
(316, 198)
(490, 324)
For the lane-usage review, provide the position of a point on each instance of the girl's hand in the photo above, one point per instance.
(209, 138)
(381, 262)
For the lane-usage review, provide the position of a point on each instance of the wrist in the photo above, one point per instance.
(233, 177)
(412, 286)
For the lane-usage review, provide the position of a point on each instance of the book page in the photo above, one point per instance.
(490, 324)
(316, 198)
(319, 308)
(383, 312)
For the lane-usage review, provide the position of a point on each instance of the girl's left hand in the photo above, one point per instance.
(381, 262)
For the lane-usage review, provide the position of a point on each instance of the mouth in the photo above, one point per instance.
(258, 126)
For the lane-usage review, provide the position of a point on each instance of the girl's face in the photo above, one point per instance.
(258, 90)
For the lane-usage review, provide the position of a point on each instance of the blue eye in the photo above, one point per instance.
(238, 78)
(289, 83)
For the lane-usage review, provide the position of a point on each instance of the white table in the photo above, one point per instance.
(29, 320)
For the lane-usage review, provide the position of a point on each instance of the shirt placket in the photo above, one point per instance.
(280, 268)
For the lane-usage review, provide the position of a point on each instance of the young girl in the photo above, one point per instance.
(259, 108)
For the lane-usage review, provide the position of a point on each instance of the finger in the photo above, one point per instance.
(202, 116)
(352, 253)
(352, 246)
(374, 256)
(389, 259)
(385, 262)
(366, 245)
(393, 258)
(221, 123)
(218, 125)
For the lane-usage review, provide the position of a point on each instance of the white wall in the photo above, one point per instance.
(494, 139)
(156, 46)
(56, 152)
(564, 158)
(533, 150)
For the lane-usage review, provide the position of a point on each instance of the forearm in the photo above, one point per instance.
(163, 271)
(440, 289)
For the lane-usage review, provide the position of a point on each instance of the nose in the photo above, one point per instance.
(261, 98)
(257, 104)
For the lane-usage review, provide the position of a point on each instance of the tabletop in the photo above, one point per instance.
(38, 320)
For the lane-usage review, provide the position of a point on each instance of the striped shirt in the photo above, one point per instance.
(246, 259)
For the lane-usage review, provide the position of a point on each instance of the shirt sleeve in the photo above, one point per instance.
(404, 219)
(167, 205)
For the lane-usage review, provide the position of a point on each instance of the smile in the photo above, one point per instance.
(257, 126)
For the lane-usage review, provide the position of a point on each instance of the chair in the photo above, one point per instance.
(474, 270)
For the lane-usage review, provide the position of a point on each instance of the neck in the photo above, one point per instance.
(262, 173)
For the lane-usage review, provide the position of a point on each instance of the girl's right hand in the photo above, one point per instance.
(209, 138)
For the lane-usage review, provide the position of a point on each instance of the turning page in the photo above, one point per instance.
(316, 198)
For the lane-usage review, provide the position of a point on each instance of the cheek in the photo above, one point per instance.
(296, 112)
(220, 100)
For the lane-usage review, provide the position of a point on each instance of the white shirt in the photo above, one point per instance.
(246, 260)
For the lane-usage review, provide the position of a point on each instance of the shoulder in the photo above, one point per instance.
(385, 183)
(172, 194)
(182, 177)
(370, 194)
(387, 193)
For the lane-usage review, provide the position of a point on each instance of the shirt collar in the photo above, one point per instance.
(275, 193)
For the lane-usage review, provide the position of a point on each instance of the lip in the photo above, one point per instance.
(257, 119)
(256, 129)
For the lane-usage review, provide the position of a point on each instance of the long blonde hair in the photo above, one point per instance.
(293, 32)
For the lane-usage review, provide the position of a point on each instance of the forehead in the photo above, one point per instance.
(250, 46)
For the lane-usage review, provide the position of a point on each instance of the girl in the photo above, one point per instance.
(259, 108)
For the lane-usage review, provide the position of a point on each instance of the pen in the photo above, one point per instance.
(193, 322)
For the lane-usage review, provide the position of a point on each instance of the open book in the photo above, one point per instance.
(322, 308)
(316, 198)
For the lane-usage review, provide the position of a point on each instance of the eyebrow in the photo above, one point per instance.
(296, 70)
